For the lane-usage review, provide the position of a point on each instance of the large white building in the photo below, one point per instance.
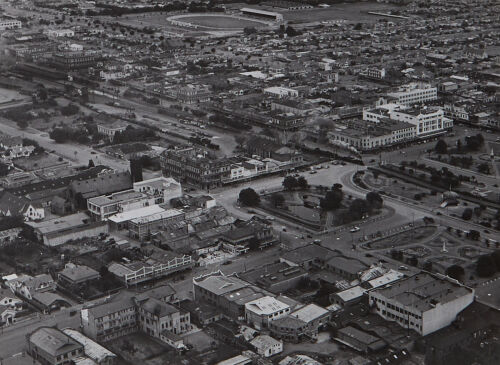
(423, 302)
(414, 93)
(6, 23)
(427, 120)
(145, 193)
(281, 92)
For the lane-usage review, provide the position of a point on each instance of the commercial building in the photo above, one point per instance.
(228, 294)
(281, 92)
(423, 302)
(190, 94)
(59, 33)
(260, 312)
(145, 193)
(302, 324)
(150, 315)
(193, 166)
(143, 227)
(92, 350)
(374, 73)
(50, 346)
(71, 60)
(138, 271)
(414, 93)
(8, 23)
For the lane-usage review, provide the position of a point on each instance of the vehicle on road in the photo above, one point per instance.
(354, 229)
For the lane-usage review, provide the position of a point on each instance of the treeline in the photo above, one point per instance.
(224, 121)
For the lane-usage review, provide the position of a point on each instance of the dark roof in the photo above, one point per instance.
(53, 341)
(56, 183)
(13, 204)
(103, 184)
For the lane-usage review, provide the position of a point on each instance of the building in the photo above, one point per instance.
(302, 324)
(138, 271)
(111, 320)
(429, 121)
(92, 350)
(193, 166)
(259, 13)
(60, 33)
(359, 340)
(12, 205)
(262, 311)
(414, 93)
(276, 277)
(74, 276)
(423, 302)
(103, 184)
(152, 316)
(9, 23)
(27, 286)
(50, 346)
(348, 268)
(281, 92)
(267, 346)
(112, 129)
(143, 227)
(228, 294)
(71, 60)
(374, 73)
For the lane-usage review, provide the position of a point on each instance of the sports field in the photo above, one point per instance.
(7, 95)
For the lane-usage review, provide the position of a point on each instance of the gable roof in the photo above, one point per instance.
(53, 341)
(12, 205)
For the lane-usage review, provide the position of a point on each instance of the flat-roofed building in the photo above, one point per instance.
(423, 302)
(414, 93)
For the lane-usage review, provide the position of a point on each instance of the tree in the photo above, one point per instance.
(467, 214)
(22, 124)
(485, 266)
(253, 244)
(4, 169)
(290, 183)
(496, 258)
(277, 199)
(441, 147)
(374, 199)
(358, 209)
(249, 30)
(302, 183)
(249, 197)
(332, 200)
(91, 163)
(484, 168)
(456, 272)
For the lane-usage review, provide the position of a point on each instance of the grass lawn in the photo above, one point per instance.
(220, 22)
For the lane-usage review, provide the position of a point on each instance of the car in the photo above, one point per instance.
(403, 267)
(317, 240)
(354, 229)
(93, 152)
(313, 172)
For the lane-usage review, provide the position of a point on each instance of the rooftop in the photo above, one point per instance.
(423, 291)
(92, 349)
(266, 305)
(53, 341)
(310, 312)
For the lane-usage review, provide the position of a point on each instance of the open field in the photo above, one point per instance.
(8, 95)
(220, 22)
(357, 13)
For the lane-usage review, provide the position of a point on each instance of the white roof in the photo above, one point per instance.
(157, 216)
(310, 312)
(264, 342)
(92, 349)
(389, 277)
(266, 305)
(237, 360)
(136, 213)
(351, 293)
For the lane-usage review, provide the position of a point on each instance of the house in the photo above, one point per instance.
(74, 276)
(266, 345)
(299, 359)
(12, 205)
(50, 346)
(262, 311)
(27, 286)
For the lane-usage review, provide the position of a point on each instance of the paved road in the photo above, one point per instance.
(67, 150)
